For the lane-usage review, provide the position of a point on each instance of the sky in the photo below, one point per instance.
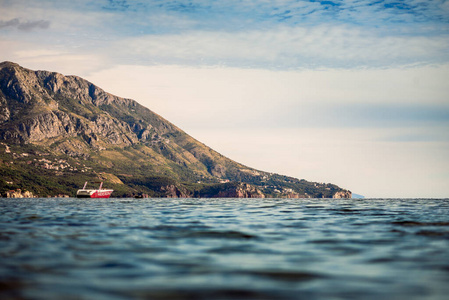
(354, 92)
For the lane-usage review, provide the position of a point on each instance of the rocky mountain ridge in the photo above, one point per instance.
(66, 118)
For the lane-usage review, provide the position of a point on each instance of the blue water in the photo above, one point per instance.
(224, 249)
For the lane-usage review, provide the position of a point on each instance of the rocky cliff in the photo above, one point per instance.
(342, 194)
(68, 127)
(18, 194)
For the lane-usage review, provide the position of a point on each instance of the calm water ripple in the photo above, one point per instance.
(224, 249)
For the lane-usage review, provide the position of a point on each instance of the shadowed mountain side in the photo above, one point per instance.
(57, 131)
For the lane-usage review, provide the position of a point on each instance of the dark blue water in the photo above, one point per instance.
(224, 249)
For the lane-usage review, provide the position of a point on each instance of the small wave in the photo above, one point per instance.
(433, 233)
(346, 211)
(414, 223)
(219, 234)
(286, 275)
(206, 293)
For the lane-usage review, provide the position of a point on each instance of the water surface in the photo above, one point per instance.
(224, 249)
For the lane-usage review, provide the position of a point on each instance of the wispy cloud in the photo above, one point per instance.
(289, 48)
(291, 13)
(366, 115)
(25, 26)
(120, 5)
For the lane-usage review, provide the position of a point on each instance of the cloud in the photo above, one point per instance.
(363, 115)
(47, 57)
(283, 47)
(391, 115)
(120, 5)
(25, 26)
(251, 34)
(294, 12)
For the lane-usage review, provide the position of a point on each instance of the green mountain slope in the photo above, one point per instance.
(58, 131)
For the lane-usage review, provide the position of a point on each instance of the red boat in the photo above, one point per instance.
(92, 193)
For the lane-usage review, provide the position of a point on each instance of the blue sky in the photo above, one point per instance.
(350, 92)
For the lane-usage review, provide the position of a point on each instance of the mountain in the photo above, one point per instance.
(357, 196)
(58, 131)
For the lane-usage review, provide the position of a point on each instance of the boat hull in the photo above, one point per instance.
(94, 193)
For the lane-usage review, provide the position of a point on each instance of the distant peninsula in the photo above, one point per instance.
(56, 132)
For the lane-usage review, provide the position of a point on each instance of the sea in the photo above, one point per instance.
(68, 248)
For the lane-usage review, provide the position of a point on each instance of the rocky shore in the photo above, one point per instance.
(18, 193)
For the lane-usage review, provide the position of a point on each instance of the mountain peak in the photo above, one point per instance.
(8, 64)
